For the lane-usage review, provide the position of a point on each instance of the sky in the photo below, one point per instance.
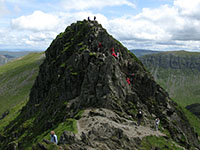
(139, 24)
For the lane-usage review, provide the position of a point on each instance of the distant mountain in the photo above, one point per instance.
(178, 72)
(16, 54)
(5, 58)
(142, 52)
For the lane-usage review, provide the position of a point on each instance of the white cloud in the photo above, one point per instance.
(37, 21)
(188, 7)
(87, 4)
(3, 9)
(39, 28)
(165, 27)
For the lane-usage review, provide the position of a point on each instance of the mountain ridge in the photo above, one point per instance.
(78, 75)
(142, 52)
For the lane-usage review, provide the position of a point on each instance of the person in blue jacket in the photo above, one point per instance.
(53, 137)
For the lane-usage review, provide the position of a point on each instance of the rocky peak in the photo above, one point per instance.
(83, 72)
(78, 68)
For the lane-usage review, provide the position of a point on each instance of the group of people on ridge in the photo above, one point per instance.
(140, 118)
(94, 18)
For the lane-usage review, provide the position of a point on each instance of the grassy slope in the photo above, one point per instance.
(183, 85)
(17, 78)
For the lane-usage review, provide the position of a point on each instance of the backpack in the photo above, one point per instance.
(54, 138)
(157, 121)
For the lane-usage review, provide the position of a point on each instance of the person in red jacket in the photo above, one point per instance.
(128, 80)
(113, 52)
(99, 46)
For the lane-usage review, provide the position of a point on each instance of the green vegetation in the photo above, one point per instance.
(51, 146)
(79, 114)
(62, 65)
(60, 35)
(194, 121)
(154, 142)
(74, 73)
(14, 112)
(178, 73)
(84, 47)
(93, 54)
(17, 78)
(68, 125)
(182, 85)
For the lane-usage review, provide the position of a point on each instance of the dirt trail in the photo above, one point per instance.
(102, 121)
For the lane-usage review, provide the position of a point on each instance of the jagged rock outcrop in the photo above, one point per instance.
(76, 75)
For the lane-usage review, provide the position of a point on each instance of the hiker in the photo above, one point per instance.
(94, 18)
(157, 121)
(99, 46)
(88, 18)
(117, 55)
(113, 52)
(53, 137)
(128, 81)
(139, 117)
